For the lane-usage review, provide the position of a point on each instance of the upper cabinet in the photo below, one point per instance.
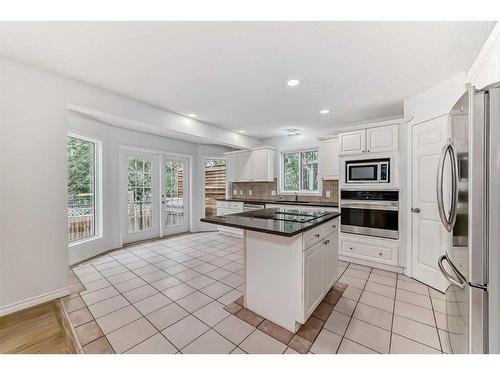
(352, 142)
(383, 138)
(243, 165)
(378, 139)
(329, 159)
(253, 165)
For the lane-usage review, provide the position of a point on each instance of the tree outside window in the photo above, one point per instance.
(300, 171)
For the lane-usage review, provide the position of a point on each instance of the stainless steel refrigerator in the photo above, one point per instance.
(468, 196)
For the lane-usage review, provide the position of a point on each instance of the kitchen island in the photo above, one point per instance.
(291, 260)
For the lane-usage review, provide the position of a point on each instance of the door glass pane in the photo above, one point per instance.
(173, 193)
(215, 184)
(309, 164)
(139, 195)
(81, 189)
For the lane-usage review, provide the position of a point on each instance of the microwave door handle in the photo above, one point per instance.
(448, 222)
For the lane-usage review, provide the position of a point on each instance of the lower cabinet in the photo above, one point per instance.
(314, 259)
(320, 264)
(369, 249)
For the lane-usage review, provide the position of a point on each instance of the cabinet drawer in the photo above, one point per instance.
(373, 252)
(236, 205)
(316, 234)
(222, 204)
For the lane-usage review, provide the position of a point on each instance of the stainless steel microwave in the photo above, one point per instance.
(368, 171)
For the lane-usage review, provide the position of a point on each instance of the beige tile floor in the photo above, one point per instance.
(167, 296)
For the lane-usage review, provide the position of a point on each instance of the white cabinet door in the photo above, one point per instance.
(243, 166)
(352, 142)
(329, 159)
(331, 260)
(259, 165)
(231, 168)
(382, 138)
(313, 277)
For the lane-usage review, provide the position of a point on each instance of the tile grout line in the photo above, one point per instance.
(435, 322)
(352, 315)
(393, 313)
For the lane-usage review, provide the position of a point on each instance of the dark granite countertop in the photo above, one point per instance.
(270, 201)
(266, 220)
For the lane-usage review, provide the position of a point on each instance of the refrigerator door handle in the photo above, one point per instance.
(458, 281)
(448, 222)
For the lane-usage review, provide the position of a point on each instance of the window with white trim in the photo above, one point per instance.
(83, 215)
(299, 171)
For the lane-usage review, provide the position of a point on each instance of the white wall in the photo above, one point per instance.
(435, 101)
(112, 138)
(486, 67)
(34, 120)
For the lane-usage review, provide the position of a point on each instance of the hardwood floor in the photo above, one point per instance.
(42, 329)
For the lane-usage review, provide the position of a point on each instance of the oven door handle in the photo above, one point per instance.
(393, 206)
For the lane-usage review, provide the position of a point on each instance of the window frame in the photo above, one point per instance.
(281, 181)
(98, 212)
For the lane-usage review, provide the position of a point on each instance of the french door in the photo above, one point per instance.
(141, 198)
(155, 198)
(174, 194)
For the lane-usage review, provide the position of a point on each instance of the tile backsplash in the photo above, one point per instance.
(263, 190)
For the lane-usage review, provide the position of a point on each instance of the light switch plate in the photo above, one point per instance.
(273, 192)
(327, 193)
(249, 192)
(241, 192)
(235, 192)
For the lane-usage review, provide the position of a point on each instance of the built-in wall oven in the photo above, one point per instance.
(368, 171)
(370, 212)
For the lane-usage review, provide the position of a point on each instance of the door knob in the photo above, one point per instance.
(416, 210)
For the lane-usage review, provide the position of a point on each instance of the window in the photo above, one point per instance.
(300, 171)
(215, 184)
(82, 187)
(139, 195)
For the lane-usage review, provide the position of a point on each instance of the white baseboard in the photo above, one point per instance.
(29, 302)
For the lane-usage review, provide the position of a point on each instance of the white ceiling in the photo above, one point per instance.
(233, 74)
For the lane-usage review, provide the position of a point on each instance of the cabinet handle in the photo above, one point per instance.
(326, 242)
(350, 248)
(380, 254)
(317, 235)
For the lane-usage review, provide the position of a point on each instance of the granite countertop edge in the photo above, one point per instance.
(322, 220)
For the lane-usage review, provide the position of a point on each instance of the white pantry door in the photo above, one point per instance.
(429, 238)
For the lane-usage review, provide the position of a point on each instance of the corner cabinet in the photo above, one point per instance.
(376, 139)
(252, 165)
(329, 159)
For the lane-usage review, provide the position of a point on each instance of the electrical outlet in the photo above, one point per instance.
(273, 192)
(249, 192)
(327, 193)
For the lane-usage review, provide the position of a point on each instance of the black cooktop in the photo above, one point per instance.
(288, 214)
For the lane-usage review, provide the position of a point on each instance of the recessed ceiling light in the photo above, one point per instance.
(192, 115)
(293, 82)
(324, 111)
(241, 131)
